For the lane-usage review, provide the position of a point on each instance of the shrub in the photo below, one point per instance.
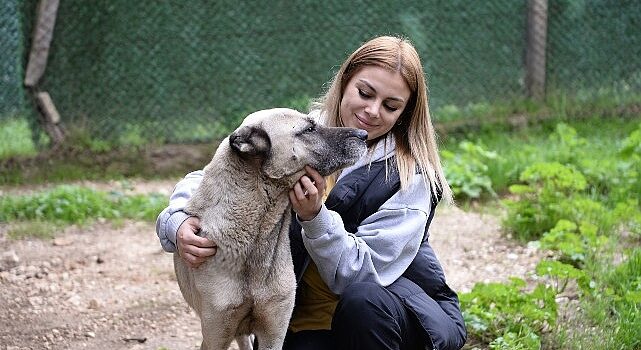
(540, 202)
(573, 243)
(467, 170)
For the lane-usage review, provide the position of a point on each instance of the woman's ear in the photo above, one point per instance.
(250, 141)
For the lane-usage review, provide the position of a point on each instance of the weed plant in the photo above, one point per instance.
(467, 170)
(507, 317)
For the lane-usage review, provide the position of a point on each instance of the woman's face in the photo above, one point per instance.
(373, 100)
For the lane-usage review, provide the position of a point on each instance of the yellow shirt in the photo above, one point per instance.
(316, 303)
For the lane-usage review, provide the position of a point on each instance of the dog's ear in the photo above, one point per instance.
(250, 141)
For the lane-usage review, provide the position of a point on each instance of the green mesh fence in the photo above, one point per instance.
(186, 71)
(594, 45)
(11, 51)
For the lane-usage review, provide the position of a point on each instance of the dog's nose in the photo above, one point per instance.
(360, 133)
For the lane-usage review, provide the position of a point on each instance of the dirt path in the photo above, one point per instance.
(112, 287)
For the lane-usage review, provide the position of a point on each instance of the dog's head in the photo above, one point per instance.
(282, 141)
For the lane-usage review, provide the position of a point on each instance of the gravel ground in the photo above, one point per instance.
(110, 286)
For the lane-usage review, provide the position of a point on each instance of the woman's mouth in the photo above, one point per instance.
(364, 122)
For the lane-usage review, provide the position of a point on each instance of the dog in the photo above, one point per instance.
(248, 286)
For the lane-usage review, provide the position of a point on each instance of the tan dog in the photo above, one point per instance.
(248, 287)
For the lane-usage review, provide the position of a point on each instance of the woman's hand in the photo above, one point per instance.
(307, 194)
(192, 248)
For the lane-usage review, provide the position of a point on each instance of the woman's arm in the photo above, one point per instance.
(170, 219)
(381, 249)
(177, 230)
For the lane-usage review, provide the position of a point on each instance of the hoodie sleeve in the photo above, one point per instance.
(170, 219)
(383, 246)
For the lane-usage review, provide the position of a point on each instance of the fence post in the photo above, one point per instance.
(41, 42)
(42, 35)
(537, 28)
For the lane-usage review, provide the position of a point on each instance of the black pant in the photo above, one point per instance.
(368, 316)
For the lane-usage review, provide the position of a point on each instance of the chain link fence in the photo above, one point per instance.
(11, 54)
(188, 71)
(594, 46)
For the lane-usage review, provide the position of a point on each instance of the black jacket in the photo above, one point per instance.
(422, 287)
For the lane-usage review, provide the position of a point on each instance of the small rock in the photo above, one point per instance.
(5, 276)
(490, 268)
(31, 271)
(90, 334)
(74, 299)
(94, 304)
(9, 260)
(62, 241)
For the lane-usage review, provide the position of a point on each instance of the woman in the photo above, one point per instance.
(368, 278)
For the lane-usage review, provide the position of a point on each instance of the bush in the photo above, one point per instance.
(467, 170)
(540, 202)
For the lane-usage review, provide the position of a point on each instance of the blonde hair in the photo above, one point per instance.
(414, 133)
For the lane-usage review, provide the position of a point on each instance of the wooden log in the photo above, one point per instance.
(41, 41)
(50, 116)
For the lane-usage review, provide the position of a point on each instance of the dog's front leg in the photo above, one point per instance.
(271, 321)
(217, 333)
(221, 312)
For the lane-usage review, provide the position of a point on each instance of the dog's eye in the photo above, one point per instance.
(312, 128)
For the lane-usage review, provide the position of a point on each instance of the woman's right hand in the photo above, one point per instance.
(192, 248)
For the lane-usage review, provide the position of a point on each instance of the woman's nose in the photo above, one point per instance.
(373, 109)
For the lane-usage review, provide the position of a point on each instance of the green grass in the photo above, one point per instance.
(609, 316)
(15, 138)
(33, 229)
(605, 102)
(64, 205)
(521, 148)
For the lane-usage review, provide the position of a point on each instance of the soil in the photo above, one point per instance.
(110, 286)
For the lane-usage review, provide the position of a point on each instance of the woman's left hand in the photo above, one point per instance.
(307, 194)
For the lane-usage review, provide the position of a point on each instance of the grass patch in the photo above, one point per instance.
(514, 113)
(610, 312)
(32, 229)
(521, 148)
(15, 138)
(72, 164)
(65, 205)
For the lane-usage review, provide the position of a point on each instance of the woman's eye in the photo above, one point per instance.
(391, 109)
(363, 93)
